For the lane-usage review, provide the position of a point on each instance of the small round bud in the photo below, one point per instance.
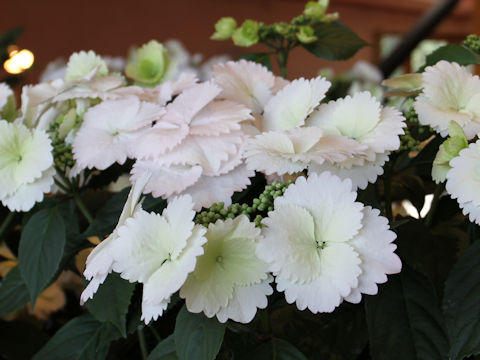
(224, 28)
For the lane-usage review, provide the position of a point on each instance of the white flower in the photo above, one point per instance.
(294, 150)
(108, 131)
(463, 181)
(228, 273)
(26, 166)
(82, 63)
(450, 93)
(5, 93)
(361, 118)
(322, 246)
(290, 107)
(159, 251)
(100, 261)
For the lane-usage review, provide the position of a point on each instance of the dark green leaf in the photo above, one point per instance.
(196, 336)
(111, 302)
(13, 292)
(20, 340)
(82, 338)
(452, 53)
(165, 350)
(335, 42)
(107, 217)
(41, 248)
(275, 349)
(261, 58)
(405, 321)
(461, 304)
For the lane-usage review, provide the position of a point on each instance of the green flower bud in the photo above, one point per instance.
(306, 34)
(224, 28)
(281, 28)
(331, 17)
(247, 34)
(149, 64)
(473, 43)
(314, 10)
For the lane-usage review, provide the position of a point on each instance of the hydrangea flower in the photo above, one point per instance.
(26, 166)
(450, 93)
(100, 261)
(149, 64)
(5, 94)
(82, 63)
(463, 181)
(361, 118)
(159, 251)
(229, 281)
(324, 247)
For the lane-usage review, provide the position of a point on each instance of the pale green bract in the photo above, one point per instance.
(224, 28)
(149, 64)
(247, 34)
(229, 267)
(83, 63)
(26, 166)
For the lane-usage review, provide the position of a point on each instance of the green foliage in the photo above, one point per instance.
(461, 304)
(452, 53)
(82, 338)
(196, 336)
(41, 248)
(405, 321)
(111, 302)
(275, 349)
(335, 42)
(20, 340)
(165, 350)
(13, 292)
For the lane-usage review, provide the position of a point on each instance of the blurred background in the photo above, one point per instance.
(54, 29)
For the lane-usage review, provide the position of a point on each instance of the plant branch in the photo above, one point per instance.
(83, 209)
(142, 343)
(435, 201)
(6, 222)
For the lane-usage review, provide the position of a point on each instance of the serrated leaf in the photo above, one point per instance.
(405, 321)
(260, 58)
(165, 350)
(13, 292)
(461, 304)
(111, 302)
(196, 336)
(335, 42)
(82, 338)
(41, 248)
(452, 53)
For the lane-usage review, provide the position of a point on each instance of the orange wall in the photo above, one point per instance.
(56, 28)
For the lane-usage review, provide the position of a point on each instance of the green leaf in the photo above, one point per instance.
(275, 349)
(196, 336)
(41, 248)
(111, 302)
(13, 292)
(461, 304)
(260, 58)
(335, 42)
(404, 320)
(81, 338)
(20, 340)
(107, 216)
(452, 53)
(165, 350)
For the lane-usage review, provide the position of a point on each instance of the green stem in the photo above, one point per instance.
(62, 186)
(282, 62)
(142, 343)
(435, 201)
(83, 209)
(6, 223)
(155, 333)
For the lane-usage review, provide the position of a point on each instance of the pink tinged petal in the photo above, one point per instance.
(190, 102)
(97, 87)
(290, 107)
(166, 180)
(225, 185)
(109, 129)
(245, 301)
(219, 117)
(330, 201)
(374, 245)
(245, 82)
